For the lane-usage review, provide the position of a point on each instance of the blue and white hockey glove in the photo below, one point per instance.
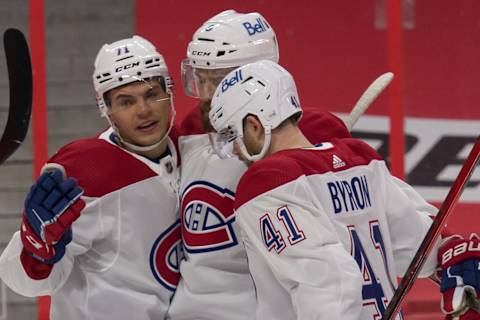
(51, 206)
(460, 278)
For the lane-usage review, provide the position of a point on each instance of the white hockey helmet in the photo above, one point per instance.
(125, 61)
(263, 89)
(228, 40)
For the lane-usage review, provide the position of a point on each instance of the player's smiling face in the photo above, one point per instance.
(140, 111)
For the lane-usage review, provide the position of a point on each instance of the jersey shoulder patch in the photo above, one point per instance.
(100, 167)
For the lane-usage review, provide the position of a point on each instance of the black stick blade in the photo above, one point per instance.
(20, 83)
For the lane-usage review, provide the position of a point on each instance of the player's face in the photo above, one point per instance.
(207, 81)
(140, 111)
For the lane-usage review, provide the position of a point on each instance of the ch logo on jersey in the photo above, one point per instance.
(165, 257)
(207, 216)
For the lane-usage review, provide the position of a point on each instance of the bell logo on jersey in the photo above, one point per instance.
(349, 195)
(207, 216)
(165, 257)
(258, 27)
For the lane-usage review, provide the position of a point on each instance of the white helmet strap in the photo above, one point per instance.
(265, 147)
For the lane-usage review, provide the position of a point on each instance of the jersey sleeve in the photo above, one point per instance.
(409, 217)
(306, 257)
(92, 225)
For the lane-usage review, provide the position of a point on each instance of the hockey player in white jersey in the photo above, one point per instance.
(118, 257)
(215, 282)
(327, 229)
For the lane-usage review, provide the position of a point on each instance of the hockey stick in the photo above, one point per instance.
(20, 83)
(434, 231)
(367, 98)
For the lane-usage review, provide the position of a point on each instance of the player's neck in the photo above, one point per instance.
(155, 153)
(288, 137)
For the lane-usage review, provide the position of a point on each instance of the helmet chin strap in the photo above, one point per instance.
(263, 152)
(137, 148)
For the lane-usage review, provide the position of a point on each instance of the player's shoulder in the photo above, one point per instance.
(357, 149)
(100, 166)
(267, 174)
(319, 126)
(286, 166)
(337, 155)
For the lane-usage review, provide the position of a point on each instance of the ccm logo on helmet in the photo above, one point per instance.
(227, 83)
(200, 53)
(127, 66)
(258, 27)
(459, 249)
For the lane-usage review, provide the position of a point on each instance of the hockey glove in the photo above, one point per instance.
(460, 278)
(51, 206)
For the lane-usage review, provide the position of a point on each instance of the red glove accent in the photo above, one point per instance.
(55, 231)
(460, 277)
(34, 268)
(33, 244)
(457, 250)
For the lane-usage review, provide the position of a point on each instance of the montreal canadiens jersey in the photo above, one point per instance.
(123, 260)
(216, 282)
(328, 229)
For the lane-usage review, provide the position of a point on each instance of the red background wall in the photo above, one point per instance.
(334, 50)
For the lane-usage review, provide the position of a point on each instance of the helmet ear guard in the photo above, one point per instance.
(263, 89)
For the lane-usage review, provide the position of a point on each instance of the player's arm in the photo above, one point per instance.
(454, 259)
(409, 218)
(303, 252)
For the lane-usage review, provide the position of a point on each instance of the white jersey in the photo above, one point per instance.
(123, 260)
(327, 230)
(216, 282)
